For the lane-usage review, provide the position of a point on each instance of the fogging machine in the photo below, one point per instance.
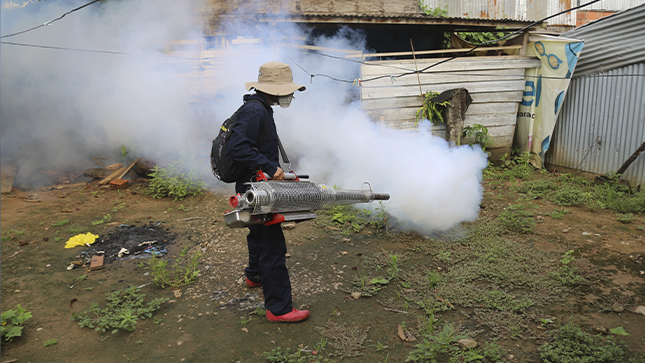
(270, 201)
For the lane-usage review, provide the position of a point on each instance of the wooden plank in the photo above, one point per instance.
(378, 68)
(502, 136)
(437, 51)
(476, 109)
(452, 77)
(415, 101)
(409, 114)
(476, 87)
(353, 53)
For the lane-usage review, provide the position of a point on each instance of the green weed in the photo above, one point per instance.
(260, 312)
(244, 320)
(183, 272)
(569, 195)
(119, 207)
(434, 345)
(75, 230)
(625, 218)
(12, 323)
(50, 342)
(106, 218)
(124, 309)
(568, 273)
(157, 320)
(175, 182)
(517, 221)
(559, 213)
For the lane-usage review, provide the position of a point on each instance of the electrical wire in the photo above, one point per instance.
(51, 21)
(73, 49)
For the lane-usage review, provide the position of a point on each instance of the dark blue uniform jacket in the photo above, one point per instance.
(242, 146)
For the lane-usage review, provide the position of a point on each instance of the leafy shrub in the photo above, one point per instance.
(12, 321)
(537, 188)
(625, 218)
(572, 345)
(174, 182)
(124, 309)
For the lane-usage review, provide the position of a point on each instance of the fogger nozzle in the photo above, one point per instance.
(278, 197)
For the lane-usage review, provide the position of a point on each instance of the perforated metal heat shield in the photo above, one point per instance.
(280, 197)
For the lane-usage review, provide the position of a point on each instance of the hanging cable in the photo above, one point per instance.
(51, 21)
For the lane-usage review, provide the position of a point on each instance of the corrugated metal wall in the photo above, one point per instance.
(507, 9)
(602, 122)
(525, 9)
(613, 42)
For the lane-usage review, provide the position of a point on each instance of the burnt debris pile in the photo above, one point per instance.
(131, 242)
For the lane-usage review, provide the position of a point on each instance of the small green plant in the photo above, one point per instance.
(394, 269)
(124, 308)
(82, 277)
(625, 217)
(379, 346)
(321, 344)
(119, 207)
(106, 218)
(244, 320)
(60, 223)
(183, 272)
(433, 278)
(182, 208)
(139, 342)
(618, 331)
(173, 181)
(50, 342)
(41, 223)
(430, 110)
(260, 312)
(516, 220)
(12, 323)
(89, 289)
(58, 239)
(443, 256)
(157, 320)
(434, 12)
(479, 134)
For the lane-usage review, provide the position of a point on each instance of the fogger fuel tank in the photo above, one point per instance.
(271, 202)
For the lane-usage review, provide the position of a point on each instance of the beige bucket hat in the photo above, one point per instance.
(275, 78)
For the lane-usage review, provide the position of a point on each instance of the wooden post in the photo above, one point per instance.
(417, 68)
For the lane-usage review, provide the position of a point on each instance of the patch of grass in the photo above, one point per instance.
(50, 342)
(570, 344)
(569, 195)
(260, 312)
(119, 207)
(183, 272)
(60, 223)
(75, 230)
(537, 188)
(106, 218)
(157, 320)
(347, 342)
(500, 300)
(568, 273)
(435, 345)
(124, 309)
(517, 221)
(352, 219)
(559, 213)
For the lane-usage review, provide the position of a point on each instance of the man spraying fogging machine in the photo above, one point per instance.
(246, 152)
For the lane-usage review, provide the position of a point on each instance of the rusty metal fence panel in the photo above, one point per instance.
(602, 122)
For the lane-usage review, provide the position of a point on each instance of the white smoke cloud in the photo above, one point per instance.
(73, 104)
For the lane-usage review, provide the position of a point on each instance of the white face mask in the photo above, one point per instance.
(285, 101)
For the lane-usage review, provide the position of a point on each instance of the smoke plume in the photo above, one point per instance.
(70, 106)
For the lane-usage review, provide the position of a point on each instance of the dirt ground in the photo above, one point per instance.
(207, 321)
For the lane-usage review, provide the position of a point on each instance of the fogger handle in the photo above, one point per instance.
(289, 176)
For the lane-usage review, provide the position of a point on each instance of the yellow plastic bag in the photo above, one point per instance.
(81, 240)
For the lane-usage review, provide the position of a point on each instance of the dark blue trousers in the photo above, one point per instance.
(267, 264)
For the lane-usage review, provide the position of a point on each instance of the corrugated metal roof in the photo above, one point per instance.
(402, 18)
(612, 42)
(602, 122)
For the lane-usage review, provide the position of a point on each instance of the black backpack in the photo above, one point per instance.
(224, 168)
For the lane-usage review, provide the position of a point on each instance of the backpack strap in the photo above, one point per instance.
(263, 134)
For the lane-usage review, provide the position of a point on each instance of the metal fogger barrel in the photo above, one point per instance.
(273, 202)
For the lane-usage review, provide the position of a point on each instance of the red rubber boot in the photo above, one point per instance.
(250, 283)
(293, 317)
